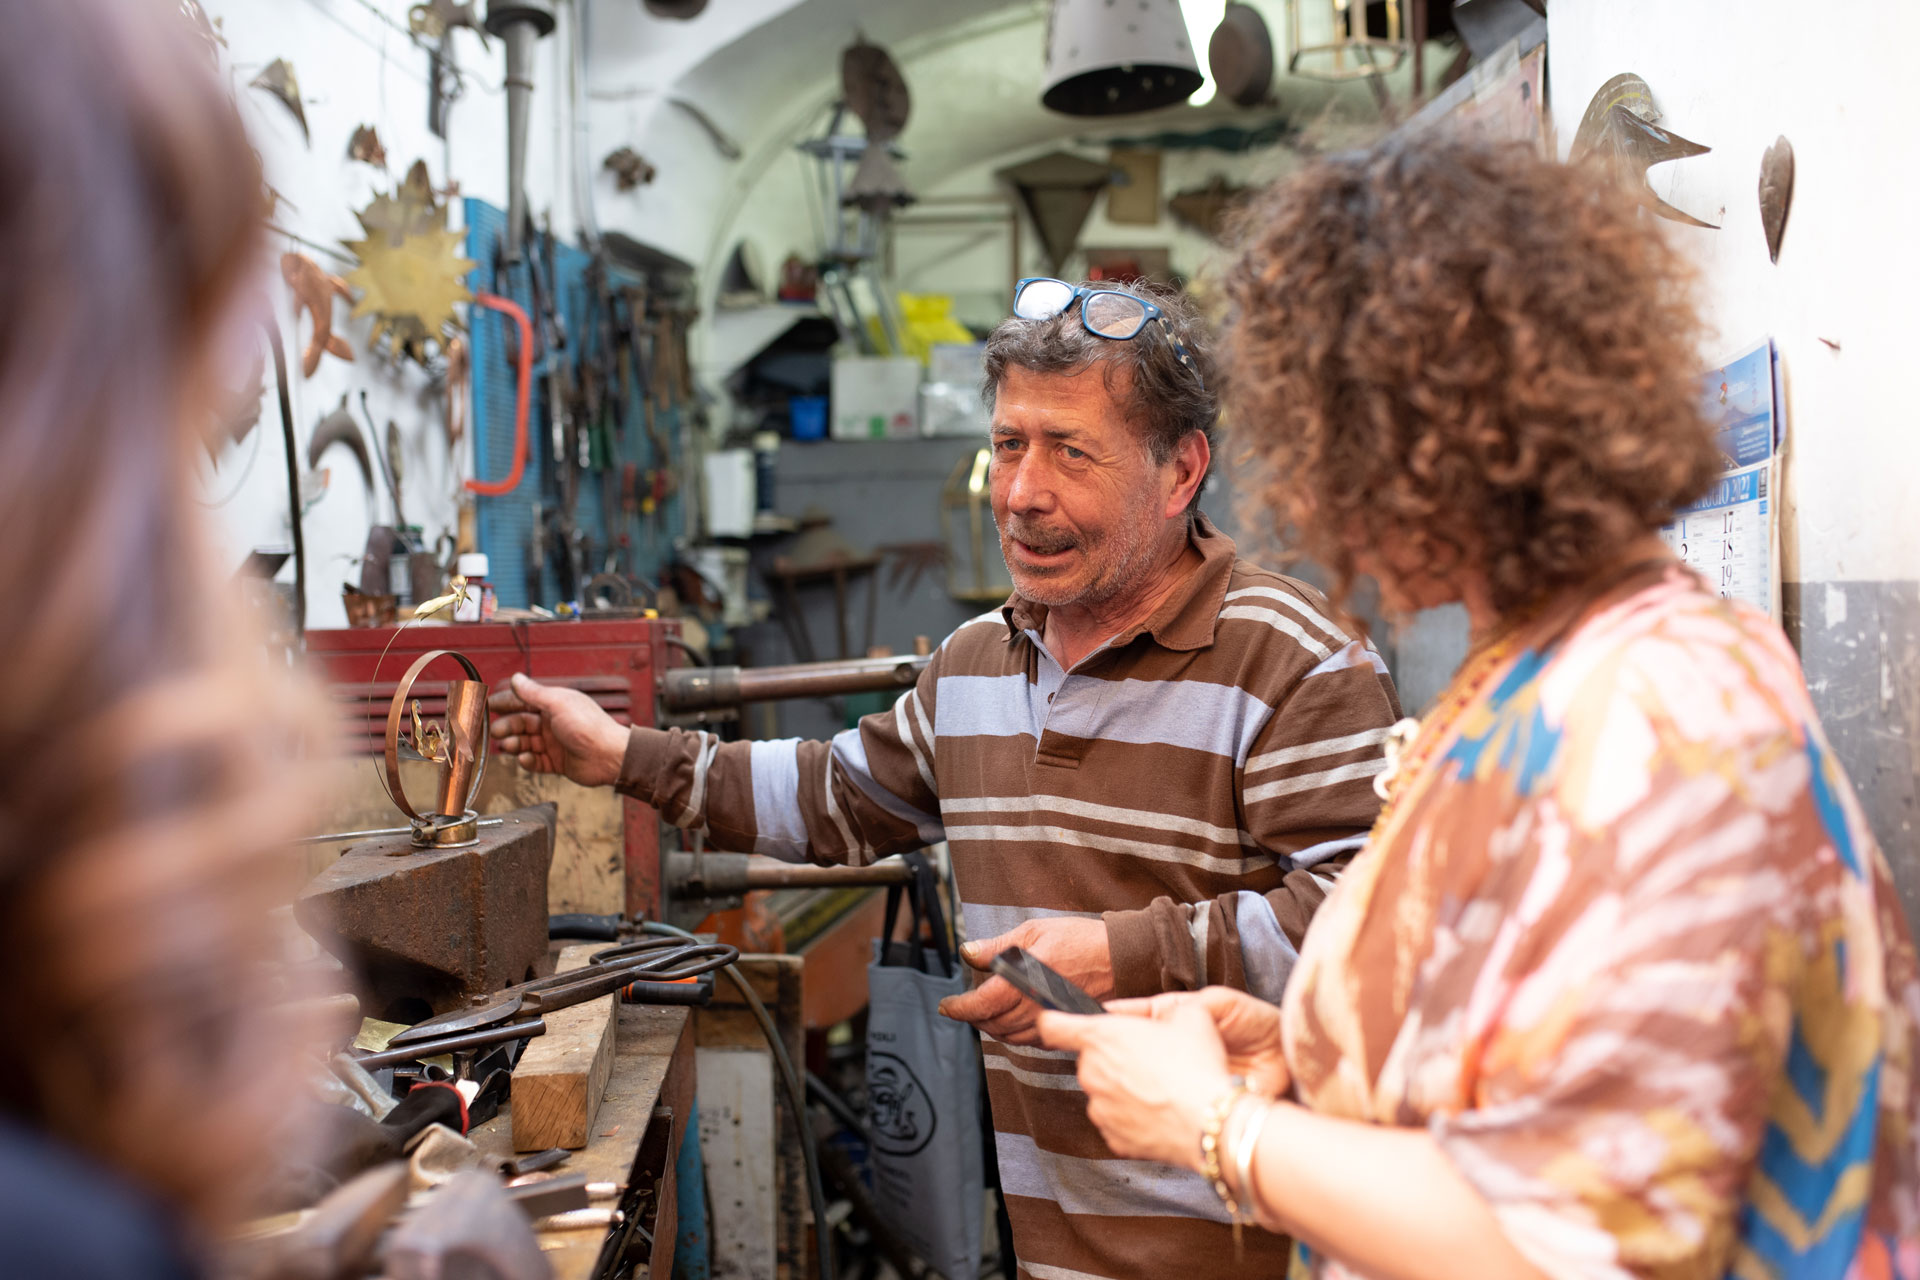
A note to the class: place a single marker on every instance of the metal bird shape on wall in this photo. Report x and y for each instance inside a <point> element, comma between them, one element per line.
<point>1776,193</point>
<point>314,291</point>
<point>278,79</point>
<point>875,91</point>
<point>1619,128</point>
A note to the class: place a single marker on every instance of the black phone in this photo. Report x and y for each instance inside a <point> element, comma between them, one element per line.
<point>1032,978</point>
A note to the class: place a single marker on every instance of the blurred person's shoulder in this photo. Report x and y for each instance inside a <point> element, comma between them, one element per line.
<point>63,1217</point>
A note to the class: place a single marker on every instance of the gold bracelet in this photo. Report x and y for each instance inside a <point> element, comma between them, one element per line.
<point>1217,1115</point>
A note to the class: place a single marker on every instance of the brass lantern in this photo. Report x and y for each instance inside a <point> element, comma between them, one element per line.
<point>1351,54</point>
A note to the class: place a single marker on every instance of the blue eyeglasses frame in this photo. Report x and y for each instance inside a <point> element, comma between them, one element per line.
<point>1080,294</point>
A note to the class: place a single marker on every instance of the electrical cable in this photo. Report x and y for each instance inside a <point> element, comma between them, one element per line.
<point>796,1095</point>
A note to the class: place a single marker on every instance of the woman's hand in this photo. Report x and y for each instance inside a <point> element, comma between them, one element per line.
<point>1249,1029</point>
<point>1150,1080</point>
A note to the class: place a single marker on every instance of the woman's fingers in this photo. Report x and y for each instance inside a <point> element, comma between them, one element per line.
<point>1071,1031</point>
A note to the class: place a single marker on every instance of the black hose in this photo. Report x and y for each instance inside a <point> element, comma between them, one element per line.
<point>796,1097</point>
<point>584,927</point>
<point>293,477</point>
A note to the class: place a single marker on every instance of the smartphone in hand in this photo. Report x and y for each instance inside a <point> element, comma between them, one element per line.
<point>1033,979</point>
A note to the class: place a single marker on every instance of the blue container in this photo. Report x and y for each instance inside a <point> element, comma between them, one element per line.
<point>809,417</point>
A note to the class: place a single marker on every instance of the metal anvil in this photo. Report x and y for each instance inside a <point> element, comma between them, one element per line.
<point>423,929</point>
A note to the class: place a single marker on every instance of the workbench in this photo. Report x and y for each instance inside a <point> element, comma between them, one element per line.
<point>635,1141</point>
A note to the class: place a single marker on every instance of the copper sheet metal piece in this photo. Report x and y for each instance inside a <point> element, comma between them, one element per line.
<point>466,745</point>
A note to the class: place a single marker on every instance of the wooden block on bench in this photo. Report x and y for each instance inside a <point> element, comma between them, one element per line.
<point>562,1076</point>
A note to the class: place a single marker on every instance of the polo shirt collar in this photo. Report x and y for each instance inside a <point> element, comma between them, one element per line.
<point>1185,620</point>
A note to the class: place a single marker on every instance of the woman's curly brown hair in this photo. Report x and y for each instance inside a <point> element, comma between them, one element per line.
<point>1464,351</point>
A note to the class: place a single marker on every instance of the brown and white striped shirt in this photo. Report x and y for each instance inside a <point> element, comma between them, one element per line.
<point>1193,781</point>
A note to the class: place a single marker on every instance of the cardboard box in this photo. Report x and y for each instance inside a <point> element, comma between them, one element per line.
<point>876,398</point>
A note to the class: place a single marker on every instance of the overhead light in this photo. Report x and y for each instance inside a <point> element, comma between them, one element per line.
<point>1104,60</point>
<point>1202,16</point>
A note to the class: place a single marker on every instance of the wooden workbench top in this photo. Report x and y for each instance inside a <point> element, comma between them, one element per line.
<point>652,1067</point>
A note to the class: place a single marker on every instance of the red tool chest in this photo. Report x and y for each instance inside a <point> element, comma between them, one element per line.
<point>617,663</point>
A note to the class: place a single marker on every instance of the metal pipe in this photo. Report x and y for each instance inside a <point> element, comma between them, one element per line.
<point>700,688</point>
<point>726,875</point>
<point>520,24</point>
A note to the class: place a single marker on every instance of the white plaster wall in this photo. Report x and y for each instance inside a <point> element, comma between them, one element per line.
<point>1827,76</point>
<point>357,65</point>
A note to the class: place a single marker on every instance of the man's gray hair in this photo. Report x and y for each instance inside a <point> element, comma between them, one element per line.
<point>1164,399</point>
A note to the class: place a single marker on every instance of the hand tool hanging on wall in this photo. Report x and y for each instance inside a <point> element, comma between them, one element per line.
<point>520,24</point>
<point>293,477</point>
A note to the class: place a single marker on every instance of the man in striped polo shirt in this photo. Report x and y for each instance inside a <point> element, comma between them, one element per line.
<point>1147,764</point>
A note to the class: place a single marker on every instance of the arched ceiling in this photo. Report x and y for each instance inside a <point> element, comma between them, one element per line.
<point>765,71</point>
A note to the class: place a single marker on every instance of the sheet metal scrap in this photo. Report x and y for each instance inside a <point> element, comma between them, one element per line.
<point>314,290</point>
<point>1776,193</point>
<point>365,147</point>
<point>437,17</point>
<point>411,273</point>
<point>1619,128</point>
<point>437,925</point>
<point>629,168</point>
<point>278,79</point>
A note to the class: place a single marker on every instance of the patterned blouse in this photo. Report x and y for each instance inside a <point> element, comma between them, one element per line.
<point>1627,949</point>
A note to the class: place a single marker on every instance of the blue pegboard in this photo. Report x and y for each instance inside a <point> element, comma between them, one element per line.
<point>506,523</point>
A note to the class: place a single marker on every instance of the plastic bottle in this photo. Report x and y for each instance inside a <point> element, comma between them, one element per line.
<point>478,602</point>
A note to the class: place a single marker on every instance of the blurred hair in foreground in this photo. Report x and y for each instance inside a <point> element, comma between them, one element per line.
<point>145,743</point>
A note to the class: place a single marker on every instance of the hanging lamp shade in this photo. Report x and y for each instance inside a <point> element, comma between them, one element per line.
<point>1112,57</point>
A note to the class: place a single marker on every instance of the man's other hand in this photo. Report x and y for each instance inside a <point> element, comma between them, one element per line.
<point>1076,949</point>
<point>554,730</point>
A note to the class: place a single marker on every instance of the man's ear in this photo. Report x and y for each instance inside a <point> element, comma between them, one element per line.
<point>1191,457</point>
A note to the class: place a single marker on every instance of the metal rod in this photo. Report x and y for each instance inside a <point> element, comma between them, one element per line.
<point>471,1040</point>
<point>699,688</point>
<point>771,873</point>
<point>335,837</point>
<point>725,875</point>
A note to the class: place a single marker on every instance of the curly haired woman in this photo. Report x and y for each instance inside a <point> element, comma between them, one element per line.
<point>1621,986</point>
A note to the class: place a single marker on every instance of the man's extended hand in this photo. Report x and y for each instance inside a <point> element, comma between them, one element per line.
<point>1076,949</point>
<point>553,730</point>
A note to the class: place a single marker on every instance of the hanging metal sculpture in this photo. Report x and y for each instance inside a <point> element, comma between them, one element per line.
<point>278,79</point>
<point>1776,193</point>
<point>314,290</point>
<point>411,273</point>
<point>876,92</point>
<point>1205,209</point>
<point>1619,129</point>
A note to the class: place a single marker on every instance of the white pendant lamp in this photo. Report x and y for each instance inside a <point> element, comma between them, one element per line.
<point>1113,57</point>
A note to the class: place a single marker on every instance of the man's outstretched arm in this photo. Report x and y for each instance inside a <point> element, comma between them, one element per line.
<point>866,793</point>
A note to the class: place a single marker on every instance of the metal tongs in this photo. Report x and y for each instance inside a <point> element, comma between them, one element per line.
<point>658,967</point>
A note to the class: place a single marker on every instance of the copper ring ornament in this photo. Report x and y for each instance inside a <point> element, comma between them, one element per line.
<point>458,823</point>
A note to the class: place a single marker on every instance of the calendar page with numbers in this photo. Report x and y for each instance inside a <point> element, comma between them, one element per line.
<point>1730,535</point>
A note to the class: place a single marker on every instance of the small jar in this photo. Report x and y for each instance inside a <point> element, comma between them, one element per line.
<point>478,602</point>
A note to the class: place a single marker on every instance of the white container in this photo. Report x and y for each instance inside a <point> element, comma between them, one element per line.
<point>875,398</point>
<point>730,493</point>
<point>477,602</point>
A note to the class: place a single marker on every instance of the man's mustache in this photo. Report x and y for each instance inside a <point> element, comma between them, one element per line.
<point>1045,541</point>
